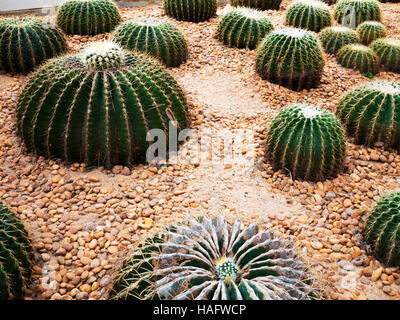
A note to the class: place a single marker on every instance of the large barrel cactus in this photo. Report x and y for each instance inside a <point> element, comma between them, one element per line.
<point>307,141</point>
<point>334,38</point>
<point>26,43</point>
<point>388,51</point>
<point>292,58</point>
<point>382,229</point>
<point>359,57</point>
<point>312,15</point>
<point>352,13</point>
<point>159,38</point>
<point>369,31</point>
<point>243,28</point>
<point>257,4</point>
<point>210,260</point>
<point>371,113</point>
<point>191,10</point>
<point>88,17</point>
<point>97,107</point>
<point>15,255</point>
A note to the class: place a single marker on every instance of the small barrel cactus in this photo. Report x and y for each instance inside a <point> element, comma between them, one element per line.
<point>307,141</point>
<point>98,106</point>
<point>382,229</point>
<point>334,38</point>
<point>204,259</point>
<point>388,51</point>
<point>159,38</point>
<point>26,43</point>
<point>292,58</point>
<point>352,13</point>
<point>311,15</point>
<point>191,10</point>
<point>371,113</point>
<point>369,31</point>
<point>359,57</point>
<point>257,4</point>
<point>243,28</point>
<point>15,255</point>
<point>88,17</point>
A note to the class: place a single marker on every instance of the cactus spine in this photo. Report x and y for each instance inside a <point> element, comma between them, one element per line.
<point>161,39</point>
<point>388,51</point>
<point>257,4</point>
<point>191,10</point>
<point>210,260</point>
<point>243,28</point>
<point>357,11</point>
<point>27,42</point>
<point>359,57</point>
<point>334,38</point>
<point>370,31</point>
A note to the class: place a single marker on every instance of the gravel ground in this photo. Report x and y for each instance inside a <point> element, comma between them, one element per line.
<point>82,221</point>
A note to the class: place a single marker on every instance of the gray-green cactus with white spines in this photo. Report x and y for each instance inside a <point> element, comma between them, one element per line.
<point>311,15</point>
<point>291,57</point>
<point>97,107</point>
<point>382,229</point>
<point>307,141</point>
<point>371,113</point>
<point>243,28</point>
<point>204,259</point>
<point>388,51</point>
<point>26,43</point>
<point>15,255</point>
<point>335,38</point>
<point>352,13</point>
<point>257,4</point>
<point>359,57</point>
<point>191,10</point>
<point>88,17</point>
<point>159,38</point>
<point>369,31</point>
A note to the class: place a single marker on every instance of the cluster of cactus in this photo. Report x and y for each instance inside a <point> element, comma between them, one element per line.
<point>369,31</point>
<point>159,38</point>
<point>359,57</point>
<point>291,57</point>
<point>352,13</point>
<point>26,43</point>
<point>204,259</point>
<point>243,28</point>
<point>88,17</point>
<point>335,38</point>
<point>191,10</point>
<point>371,113</point>
<point>308,142</point>
<point>311,15</point>
<point>382,229</point>
<point>388,51</point>
<point>15,255</point>
<point>98,106</point>
<point>257,4</point>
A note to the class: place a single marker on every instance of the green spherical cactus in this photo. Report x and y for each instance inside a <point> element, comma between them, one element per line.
<point>211,260</point>
<point>308,142</point>
<point>88,17</point>
<point>359,57</point>
<point>334,38</point>
<point>352,13</point>
<point>371,113</point>
<point>309,14</point>
<point>388,51</point>
<point>98,107</point>
<point>159,38</point>
<point>26,43</point>
<point>257,4</point>
<point>243,28</point>
<point>382,229</point>
<point>292,58</point>
<point>369,31</point>
<point>191,10</point>
<point>15,255</point>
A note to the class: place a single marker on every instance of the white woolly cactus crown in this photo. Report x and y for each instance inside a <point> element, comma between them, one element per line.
<point>103,55</point>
